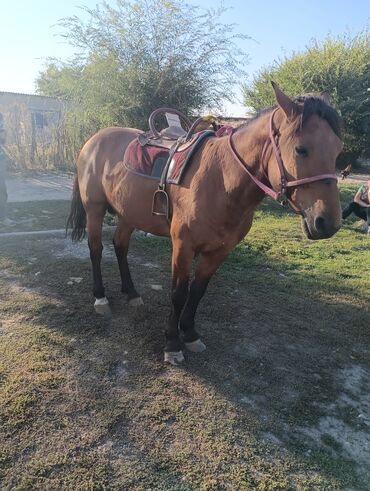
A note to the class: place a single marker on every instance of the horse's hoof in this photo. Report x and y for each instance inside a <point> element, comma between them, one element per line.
<point>173,357</point>
<point>136,302</point>
<point>101,306</point>
<point>196,346</point>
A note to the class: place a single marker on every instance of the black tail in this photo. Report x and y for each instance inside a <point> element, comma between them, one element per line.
<point>77,215</point>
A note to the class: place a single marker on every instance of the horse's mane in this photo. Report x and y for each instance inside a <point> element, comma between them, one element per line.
<point>310,105</point>
<point>315,105</point>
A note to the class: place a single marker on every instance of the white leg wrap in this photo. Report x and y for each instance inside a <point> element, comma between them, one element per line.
<point>101,306</point>
<point>173,357</point>
<point>196,346</point>
<point>136,302</point>
<point>101,301</point>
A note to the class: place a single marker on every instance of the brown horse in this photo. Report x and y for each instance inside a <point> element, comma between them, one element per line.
<point>289,150</point>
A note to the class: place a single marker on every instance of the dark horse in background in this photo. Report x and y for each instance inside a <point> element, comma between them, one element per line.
<point>287,152</point>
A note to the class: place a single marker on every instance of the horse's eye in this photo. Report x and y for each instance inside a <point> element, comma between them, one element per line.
<point>301,151</point>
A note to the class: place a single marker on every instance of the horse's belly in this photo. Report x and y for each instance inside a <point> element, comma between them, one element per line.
<point>131,196</point>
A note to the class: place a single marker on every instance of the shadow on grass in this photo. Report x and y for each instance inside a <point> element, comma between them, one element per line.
<point>268,404</point>
<point>35,215</point>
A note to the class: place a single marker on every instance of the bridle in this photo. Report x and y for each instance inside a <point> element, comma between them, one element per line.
<point>280,195</point>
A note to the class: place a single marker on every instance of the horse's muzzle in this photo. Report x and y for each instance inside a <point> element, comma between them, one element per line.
<point>318,227</point>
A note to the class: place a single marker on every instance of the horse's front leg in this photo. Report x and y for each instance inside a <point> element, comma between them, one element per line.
<point>207,266</point>
<point>182,257</point>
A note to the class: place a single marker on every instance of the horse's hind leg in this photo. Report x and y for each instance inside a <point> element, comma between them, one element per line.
<point>121,243</point>
<point>95,215</point>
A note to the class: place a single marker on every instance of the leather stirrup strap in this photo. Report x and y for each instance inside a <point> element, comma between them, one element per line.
<point>162,181</point>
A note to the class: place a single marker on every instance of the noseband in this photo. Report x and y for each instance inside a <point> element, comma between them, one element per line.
<point>281,195</point>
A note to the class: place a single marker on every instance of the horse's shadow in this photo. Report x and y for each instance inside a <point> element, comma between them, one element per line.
<point>292,352</point>
<point>283,356</point>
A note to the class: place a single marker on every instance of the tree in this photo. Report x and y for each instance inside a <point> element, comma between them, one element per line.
<point>341,66</point>
<point>142,54</point>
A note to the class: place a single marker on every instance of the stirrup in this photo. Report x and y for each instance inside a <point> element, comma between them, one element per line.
<point>161,203</point>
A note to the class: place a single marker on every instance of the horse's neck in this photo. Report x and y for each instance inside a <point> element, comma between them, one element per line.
<point>248,142</point>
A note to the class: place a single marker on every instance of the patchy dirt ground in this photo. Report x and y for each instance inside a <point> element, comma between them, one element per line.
<point>39,187</point>
<point>279,401</point>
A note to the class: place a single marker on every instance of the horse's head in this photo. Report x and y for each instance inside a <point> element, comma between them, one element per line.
<point>308,133</point>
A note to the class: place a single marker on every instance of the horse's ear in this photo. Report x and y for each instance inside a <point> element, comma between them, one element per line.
<point>289,107</point>
<point>325,96</point>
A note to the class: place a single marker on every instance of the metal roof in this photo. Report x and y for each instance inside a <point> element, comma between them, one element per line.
<point>30,95</point>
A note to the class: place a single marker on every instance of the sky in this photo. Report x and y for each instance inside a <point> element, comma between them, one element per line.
<point>29,35</point>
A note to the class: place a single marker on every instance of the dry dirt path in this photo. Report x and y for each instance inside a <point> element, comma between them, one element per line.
<point>39,188</point>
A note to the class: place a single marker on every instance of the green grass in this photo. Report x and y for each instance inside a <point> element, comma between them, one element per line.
<point>87,404</point>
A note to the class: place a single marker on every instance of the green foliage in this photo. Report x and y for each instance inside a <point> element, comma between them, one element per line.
<point>143,54</point>
<point>341,66</point>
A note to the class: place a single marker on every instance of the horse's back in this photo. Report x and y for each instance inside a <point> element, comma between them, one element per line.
<point>98,157</point>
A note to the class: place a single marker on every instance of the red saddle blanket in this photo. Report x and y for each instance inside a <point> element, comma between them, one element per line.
<point>149,160</point>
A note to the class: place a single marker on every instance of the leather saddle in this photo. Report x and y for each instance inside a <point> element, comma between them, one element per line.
<point>178,136</point>
<point>179,128</point>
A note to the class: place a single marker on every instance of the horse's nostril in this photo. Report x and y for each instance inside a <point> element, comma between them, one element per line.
<point>320,224</point>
